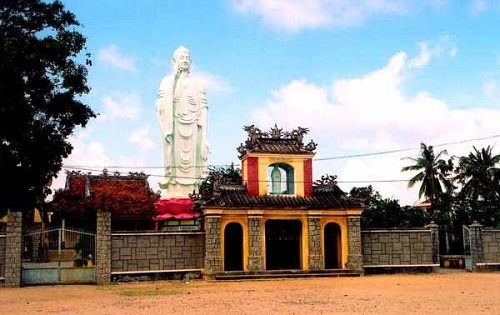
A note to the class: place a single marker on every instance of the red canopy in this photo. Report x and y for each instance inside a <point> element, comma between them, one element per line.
<point>175,208</point>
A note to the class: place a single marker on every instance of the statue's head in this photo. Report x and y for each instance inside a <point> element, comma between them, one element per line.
<point>181,59</point>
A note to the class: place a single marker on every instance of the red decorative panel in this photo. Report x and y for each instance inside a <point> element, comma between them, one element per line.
<point>177,208</point>
<point>308,188</point>
<point>253,176</point>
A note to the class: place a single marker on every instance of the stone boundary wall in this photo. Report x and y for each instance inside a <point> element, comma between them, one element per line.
<point>157,252</point>
<point>491,246</point>
<point>403,248</point>
<point>3,239</point>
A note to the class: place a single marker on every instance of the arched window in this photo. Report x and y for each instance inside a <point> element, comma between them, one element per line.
<point>281,179</point>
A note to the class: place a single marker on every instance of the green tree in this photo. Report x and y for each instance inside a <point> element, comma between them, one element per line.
<point>41,82</point>
<point>219,176</point>
<point>433,174</point>
<point>386,212</point>
<point>479,177</point>
<point>365,194</point>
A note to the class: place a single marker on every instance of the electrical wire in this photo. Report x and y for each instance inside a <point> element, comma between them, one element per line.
<point>95,168</point>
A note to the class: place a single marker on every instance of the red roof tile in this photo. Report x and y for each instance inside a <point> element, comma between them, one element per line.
<point>120,194</point>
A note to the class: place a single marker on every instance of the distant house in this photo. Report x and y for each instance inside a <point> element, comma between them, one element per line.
<point>424,205</point>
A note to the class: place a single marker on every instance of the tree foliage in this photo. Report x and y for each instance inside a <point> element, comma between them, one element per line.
<point>219,176</point>
<point>479,178</point>
<point>478,174</point>
<point>432,173</point>
<point>367,194</point>
<point>41,81</point>
<point>386,212</point>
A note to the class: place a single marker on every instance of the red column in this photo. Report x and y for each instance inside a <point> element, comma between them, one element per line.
<point>253,176</point>
<point>308,188</point>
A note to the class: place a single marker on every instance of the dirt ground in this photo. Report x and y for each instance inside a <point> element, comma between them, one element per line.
<point>440,293</point>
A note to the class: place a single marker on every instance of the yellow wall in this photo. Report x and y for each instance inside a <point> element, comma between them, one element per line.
<point>240,216</point>
<point>243,221</point>
<point>36,217</point>
<point>244,174</point>
<point>342,223</point>
<point>295,161</point>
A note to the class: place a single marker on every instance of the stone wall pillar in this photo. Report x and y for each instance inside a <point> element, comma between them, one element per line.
<point>434,228</point>
<point>255,261</point>
<point>13,249</point>
<point>315,255</point>
<point>212,245</point>
<point>354,257</point>
<point>103,247</point>
<point>476,244</point>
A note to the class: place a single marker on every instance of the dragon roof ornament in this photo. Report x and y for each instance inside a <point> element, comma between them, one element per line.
<point>276,141</point>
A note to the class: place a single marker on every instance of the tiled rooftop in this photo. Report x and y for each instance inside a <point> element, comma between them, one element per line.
<point>121,194</point>
<point>238,197</point>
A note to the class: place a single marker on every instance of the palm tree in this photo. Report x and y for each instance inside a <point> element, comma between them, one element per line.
<point>433,174</point>
<point>478,175</point>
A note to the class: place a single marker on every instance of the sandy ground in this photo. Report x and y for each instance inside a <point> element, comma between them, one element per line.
<point>448,293</point>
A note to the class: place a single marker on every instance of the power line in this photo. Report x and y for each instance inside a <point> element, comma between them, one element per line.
<point>340,157</point>
<point>402,150</point>
<point>264,181</point>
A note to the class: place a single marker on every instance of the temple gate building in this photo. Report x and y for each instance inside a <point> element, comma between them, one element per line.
<point>278,219</point>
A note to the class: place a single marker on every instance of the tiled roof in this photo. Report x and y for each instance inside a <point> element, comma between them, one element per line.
<point>238,197</point>
<point>120,194</point>
<point>276,141</point>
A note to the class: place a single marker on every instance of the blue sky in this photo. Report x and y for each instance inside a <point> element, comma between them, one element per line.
<point>364,76</point>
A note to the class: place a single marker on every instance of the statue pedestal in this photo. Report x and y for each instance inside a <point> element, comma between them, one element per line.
<point>175,208</point>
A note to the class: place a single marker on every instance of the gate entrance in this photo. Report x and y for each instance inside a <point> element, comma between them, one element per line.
<point>58,255</point>
<point>333,249</point>
<point>283,244</point>
<point>233,247</point>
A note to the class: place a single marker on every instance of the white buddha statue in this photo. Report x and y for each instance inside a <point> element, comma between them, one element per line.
<point>182,110</point>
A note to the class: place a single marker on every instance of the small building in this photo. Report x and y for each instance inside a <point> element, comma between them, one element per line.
<point>278,219</point>
<point>128,197</point>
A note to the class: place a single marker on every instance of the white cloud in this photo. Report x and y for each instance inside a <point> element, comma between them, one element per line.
<point>423,59</point>
<point>479,6</point>
<point>433,49</point>
<point>142,138</point>
<point>211,82</point>
<point>112,56</point>
<point>121,106</point>
<point>370,114</point>
<point>294,15</point>
<point>490,89</point>
<point>85,151</point>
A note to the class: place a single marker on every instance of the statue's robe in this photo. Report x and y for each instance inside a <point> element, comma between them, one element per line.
<point>182,112</point>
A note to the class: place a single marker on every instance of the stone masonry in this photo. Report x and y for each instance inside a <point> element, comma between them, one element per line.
<point>13,249</point>
<point>212,245</point>
<point>255,261</point>
<point>2,255</point>
<point>397,247</point>
<point>103,250</point>
<point>434,228</point>
<point>315,256</point>
<point>157,251</point>
<point>476,244</point>
<point>491,245</point>
<point>354,257</point>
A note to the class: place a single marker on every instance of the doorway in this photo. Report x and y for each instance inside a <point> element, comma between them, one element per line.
<point>283,239</point>
<point>333,246</point>
<point>233,247</point>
